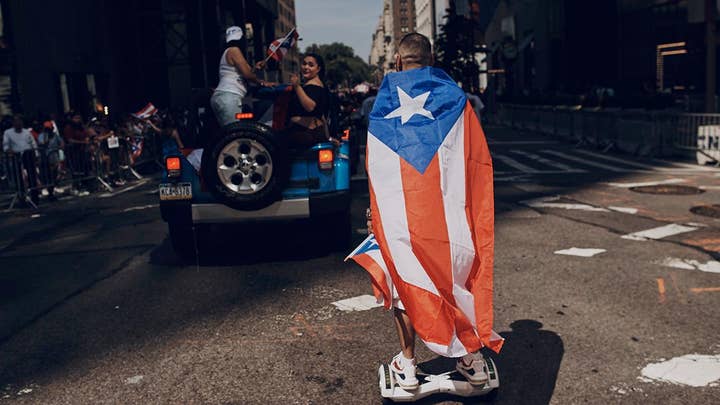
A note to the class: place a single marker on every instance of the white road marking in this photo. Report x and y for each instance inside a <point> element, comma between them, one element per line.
<point>546,202</point>
<point>659,232</point>
<point>521,178</point>
<point>648,183</point>
<point>711,266</point>
<point>522,143</point>
<point>35,216</point>
<point>515,164</point>
<point>585,161</point>
<point>590,252</point>
<point>361,303</point>
<point>710,187</point>
<point>134,380</point>
<point>698,224</point>
<point>141,207</point>
<point>548,162</point>
<point>695,370</point>
<point>25,391</point>
<point>125,190</point>
<point>626,210</point>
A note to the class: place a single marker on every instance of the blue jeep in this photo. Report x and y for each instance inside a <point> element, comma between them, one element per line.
<point>248,173</point>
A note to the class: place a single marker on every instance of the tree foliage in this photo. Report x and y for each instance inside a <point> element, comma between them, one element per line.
<point>344,68</point>
<point>455,50</point>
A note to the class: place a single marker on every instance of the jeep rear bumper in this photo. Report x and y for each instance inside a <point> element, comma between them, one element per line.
<point>212,213</point>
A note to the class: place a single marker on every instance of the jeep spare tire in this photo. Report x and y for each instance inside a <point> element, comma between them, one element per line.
<point>245,167</point>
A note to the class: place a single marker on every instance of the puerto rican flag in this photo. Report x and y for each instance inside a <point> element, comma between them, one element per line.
<point>431,195</point>
<point>146,112</point>
<point>279,47</point>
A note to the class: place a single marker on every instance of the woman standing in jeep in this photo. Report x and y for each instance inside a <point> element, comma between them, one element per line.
<point>235,71</point>
<point>310,104</point>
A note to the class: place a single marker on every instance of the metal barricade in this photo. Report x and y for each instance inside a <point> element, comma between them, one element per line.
<point>632,131</point>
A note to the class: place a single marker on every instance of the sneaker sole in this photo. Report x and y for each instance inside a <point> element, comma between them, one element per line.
<point>469,379</point>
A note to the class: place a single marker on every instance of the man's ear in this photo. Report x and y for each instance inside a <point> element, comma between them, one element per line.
<point>398,62</point>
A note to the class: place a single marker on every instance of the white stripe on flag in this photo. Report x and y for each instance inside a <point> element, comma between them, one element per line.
<point>384,164</point>
<point>452,184</point>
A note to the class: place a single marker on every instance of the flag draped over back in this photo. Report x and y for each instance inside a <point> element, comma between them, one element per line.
<point>431,194</point>
<point>279,47</point>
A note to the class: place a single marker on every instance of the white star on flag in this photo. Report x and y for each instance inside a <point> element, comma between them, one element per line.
<point>410,106</point>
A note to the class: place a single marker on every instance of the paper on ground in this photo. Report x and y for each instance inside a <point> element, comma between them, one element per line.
<point>695,370</point>
<point>689,264</point>
<point>659,232</point>
<point>361,303</point>
<point>580,252</point>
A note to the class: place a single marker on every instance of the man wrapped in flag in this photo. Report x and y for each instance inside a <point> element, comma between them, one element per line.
<point>431,198</point>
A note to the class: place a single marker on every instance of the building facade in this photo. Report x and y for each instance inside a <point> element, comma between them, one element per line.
<point>425,18</point>
<point>382,51</point>
<point>284,24</point>
<point>120,55</point>
<point>644,53</point>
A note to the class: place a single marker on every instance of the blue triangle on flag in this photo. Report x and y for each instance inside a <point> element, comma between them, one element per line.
<point>418,140</point>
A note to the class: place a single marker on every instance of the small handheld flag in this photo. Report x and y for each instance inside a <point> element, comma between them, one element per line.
<point>279,47</point>
<point>146,112</point>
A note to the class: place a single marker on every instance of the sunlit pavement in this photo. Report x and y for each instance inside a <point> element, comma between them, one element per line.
<point>96,308</point>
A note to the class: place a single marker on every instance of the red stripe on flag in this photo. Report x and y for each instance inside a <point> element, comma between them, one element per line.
<point>480,213</point>
<point>377,277</point>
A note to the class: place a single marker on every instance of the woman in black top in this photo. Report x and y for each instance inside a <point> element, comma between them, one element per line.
<point>309,106</point>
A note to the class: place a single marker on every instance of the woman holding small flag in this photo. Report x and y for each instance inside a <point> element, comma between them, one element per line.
<point>310,104</point>
<point>235,72</point>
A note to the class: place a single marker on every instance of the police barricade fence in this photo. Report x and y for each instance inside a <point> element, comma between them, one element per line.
<point>82,167</point>
<point>646,133</point>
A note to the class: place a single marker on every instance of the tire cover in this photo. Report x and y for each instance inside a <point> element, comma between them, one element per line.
<point>255,133</point>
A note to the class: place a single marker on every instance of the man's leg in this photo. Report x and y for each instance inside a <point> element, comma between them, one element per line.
<point>406,333</point>
<point>403,364</point>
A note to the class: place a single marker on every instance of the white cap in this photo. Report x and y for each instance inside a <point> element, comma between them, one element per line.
<point>233,33</point>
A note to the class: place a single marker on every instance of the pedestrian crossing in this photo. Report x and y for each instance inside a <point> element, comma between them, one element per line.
<point>563,161</point>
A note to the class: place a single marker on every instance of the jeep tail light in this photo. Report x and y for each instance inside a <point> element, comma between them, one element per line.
<point>244,116</point>
<point>325,159</point>
<point>172,164</point>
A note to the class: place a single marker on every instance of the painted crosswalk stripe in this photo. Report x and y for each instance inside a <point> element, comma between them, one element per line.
<point>665,166</point>
<point>659,232</point>
<point>515,164</point>
<point>584,161</point>
<point>647,183</point>
<point>548,202</point>
<point>548,162</point>
<point>491,142</point>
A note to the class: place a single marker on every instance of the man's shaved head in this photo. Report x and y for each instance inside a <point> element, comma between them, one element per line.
<point>415,49</point>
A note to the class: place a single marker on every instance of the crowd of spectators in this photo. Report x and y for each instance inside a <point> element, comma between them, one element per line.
<point>82,155</point>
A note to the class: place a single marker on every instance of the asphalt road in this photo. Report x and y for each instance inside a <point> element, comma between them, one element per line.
<point>95,307</point>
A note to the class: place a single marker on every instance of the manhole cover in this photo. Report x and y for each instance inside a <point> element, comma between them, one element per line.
<point>712,211</point>
<point>669,189</point>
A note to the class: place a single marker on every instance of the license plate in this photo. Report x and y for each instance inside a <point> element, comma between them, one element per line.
<point>180,191</point>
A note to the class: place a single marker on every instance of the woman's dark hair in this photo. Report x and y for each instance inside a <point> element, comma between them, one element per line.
<point>237,43</point>
<point>320,63</point>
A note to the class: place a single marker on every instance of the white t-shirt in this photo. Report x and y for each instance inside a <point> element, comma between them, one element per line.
<point>230,79</point>
<point>18,142</point>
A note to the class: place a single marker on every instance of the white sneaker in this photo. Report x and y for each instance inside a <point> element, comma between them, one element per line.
<point>404,370</point>
<point>474,368</point>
